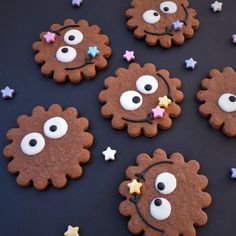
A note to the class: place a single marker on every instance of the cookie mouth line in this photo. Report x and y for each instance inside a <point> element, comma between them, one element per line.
<point>86,62</point>
<point>169,30</point>
<point>136,199</point>
<point>149,118</point>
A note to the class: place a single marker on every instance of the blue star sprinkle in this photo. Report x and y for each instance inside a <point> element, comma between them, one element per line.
<point>93,51</point>
<point>233,173</point>
<point>190,63</point>
<point>7,92</point>
<point>177,25</point>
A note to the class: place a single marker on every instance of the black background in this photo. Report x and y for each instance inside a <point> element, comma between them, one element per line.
<point>92,201</point>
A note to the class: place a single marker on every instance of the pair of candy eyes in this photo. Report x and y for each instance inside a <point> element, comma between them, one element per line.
<point>160,208</point>
<point>131,100</point>
<point>227,102</point>
<point>67,54</point>
<point>152,16</point>
<point>34,143</point>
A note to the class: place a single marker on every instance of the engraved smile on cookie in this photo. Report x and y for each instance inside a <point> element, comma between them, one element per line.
<point>136,198</point>
<point>149,118</point>
<point>87,61</point>
<point>169,30</point>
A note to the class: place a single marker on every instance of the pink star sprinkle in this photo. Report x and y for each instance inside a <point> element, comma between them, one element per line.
<point>234,38</point>
<point>129,56</point>
<point>50,37</point>
<point>158,112</point>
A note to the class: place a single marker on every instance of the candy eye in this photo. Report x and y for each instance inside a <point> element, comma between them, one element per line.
<point>151,16</point>
<point>147,84</point>
<point>168,7</point>
<point>73,37</point>
<point>227,102</point>
<point>165,183</point>
<point>55,128</point>
<point>160,209</point>
<point>131,100</point>
<point>32,144</point>
<point>66,54</point>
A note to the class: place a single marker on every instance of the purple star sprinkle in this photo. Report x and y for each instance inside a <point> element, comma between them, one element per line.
<point>177,25</point>
<point>190,63</point>
<point>233,173</point>
<point>77,3</point>
<point>234,38</point>
<point>7,92</point>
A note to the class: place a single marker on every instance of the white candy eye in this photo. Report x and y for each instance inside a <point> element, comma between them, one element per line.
<point>227,102</point>
<point>131,100</point>
<point>55,128</point>
<point>32,144</point>
<point>66,54</point>
<point>160,209</point>
<point>147,84</point>
<point>165,183</point>
<point>168,7</point>
<point>73,37</point>
<point>151,16</point>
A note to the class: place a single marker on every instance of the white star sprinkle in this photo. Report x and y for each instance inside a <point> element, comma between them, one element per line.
<point>109,154</point>
<point>217,6</point>
<point>7,92</point>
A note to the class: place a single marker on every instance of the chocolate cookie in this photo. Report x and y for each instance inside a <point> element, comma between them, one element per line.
<point>72,51</point>
<point>48,146</point>
<point>218,99</point>
<point>141,99</point>
<point>164,196</point>
<point>163,22</point>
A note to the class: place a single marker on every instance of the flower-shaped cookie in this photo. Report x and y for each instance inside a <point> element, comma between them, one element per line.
<point>218,99</point>
<point>48,146</point>
<point>163,22</point>
<point>72,51</point>
<point>141,99</point>
<point>164,196</point>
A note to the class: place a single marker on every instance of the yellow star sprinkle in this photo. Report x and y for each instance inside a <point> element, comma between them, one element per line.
<point>134,187</point>
<point>164,101</point>
<point>72,231</point>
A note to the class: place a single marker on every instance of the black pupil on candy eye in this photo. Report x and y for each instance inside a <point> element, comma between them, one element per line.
<point>161,186</point>
<point>33,142</point>
<point>148,87</point>
<point>53,128</point>
<point>136,99</point>
<point>232,98</point>
<point>155,14</point>
<point>158,202</point>
<point>71,37</point>
<point>166,9</point>
<point>64,50</point>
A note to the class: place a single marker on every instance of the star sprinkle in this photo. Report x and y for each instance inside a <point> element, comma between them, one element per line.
<point>164,101</point>
<point>234,38</point>
<point>158,112</point>
<point>129,56</point>
<point>7,92</point>
<point>50,37</point>
<point>177,25</point>
<point>93,51</point>
<point>77,3</point>
<point>233,173</point>
<point>190,63</point>
<point>72,231</point>
<point>109,154</point>
<point>217,6</point>
<point>134,187</point>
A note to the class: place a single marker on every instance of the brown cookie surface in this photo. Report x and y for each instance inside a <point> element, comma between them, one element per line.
<point>48,146</point>
<point>171,198</point>
<point>64,51</point>
<point>153,20</point>
<point>141,99</point>
<point>218,99</point>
